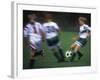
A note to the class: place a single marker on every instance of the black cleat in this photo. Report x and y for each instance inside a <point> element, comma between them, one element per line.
<point>73,57</point>
<point>80,56</point>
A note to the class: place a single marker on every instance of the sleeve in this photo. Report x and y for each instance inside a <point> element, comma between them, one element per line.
<point>26,30</point>
<point>56,26</point>
<point>41,27</point>
<point>89,28</point>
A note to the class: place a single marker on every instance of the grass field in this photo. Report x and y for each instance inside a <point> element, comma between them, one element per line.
<point>49,61</point>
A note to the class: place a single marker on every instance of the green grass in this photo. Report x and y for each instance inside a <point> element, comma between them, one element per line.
<point>49,61</point>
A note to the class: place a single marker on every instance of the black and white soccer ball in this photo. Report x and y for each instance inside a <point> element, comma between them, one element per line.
<point>68,53</point>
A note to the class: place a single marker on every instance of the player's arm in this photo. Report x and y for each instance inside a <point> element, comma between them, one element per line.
<point>25,32</point>
<point>25,35</point>
<point>43,35</point>
<point>42,32</point>
<point>89,31</point>
<point>57,28</point>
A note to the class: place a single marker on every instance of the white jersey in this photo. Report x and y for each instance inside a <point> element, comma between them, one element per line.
<point>33,31</point>
<point>84,31</point>
<point>50,29</point>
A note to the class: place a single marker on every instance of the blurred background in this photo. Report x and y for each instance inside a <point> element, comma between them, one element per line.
<point>65,20</point>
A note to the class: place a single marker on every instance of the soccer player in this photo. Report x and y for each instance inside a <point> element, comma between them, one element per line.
<point>51,30</point>
<point>81,39</point>
<point>34,32</point>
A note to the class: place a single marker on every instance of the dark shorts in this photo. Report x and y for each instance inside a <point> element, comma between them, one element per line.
<point>81,42</point>
<point>53,41</point>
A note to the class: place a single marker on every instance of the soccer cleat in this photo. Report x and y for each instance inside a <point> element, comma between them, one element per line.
<point>73,57</point>
<point>31,63</point>
<point>80,56</point>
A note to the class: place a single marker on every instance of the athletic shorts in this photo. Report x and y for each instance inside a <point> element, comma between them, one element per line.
<point>53,42</point>
<point>81,42</point>
<point>36,45</point>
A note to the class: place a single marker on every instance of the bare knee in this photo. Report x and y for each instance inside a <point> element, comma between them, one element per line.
<point>73,46</point>
<point>76,48</point>
<point>32,54</point>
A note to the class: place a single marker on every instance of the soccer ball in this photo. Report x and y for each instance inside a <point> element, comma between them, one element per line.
<point>68,54</point>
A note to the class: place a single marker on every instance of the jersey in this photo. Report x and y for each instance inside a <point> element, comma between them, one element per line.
<point>50,29</point>
<point>33,31</point>
<point>84,31</point>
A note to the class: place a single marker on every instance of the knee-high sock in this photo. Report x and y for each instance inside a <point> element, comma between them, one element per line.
<point>31,63</point>
<point>61,53</point>
<point>73,56</point>
<point>79,53</point>
<point>57,56</point>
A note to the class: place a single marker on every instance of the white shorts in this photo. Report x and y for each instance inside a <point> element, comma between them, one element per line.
<point>37,45</point>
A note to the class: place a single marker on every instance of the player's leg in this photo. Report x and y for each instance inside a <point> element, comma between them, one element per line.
<point>82,44</point>
<point>32,58</point>
<point>75,51</point>
<point>32,52</point>
<point>58,46</point>
<point>52,44</point>
<point>76,47</point>
<point>61,53</point>
<point>39,50</point>
<point>73,46</point>
<point>56,54</point>
<point>79,55</point>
